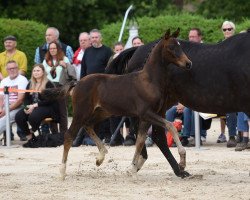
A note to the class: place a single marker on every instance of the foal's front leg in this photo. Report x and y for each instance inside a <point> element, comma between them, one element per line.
<point>99,144</point>
<point>138,160</point>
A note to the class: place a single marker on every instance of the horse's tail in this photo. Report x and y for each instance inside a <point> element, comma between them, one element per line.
<point>58,92</point>
<point>119,64</point>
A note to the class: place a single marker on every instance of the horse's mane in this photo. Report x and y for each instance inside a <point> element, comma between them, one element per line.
<point>147,57</point>
<point>118,65</point>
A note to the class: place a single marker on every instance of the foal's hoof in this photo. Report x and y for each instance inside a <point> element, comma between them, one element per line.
<point>99,161</point>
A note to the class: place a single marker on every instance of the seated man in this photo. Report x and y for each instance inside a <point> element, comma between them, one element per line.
<point>188,121</point>
<point>13,80</point>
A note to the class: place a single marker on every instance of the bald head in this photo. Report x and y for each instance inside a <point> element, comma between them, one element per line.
<point>84,40</point>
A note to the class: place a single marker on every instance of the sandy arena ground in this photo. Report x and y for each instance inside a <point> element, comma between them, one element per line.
<point>219,173</point>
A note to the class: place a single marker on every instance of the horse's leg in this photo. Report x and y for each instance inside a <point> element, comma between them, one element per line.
<point>159,137</point>
<point>144,155</point>
<point>100,146</point>
<point>140,142</point>
<point>157,120</point>
<point>69,136</point>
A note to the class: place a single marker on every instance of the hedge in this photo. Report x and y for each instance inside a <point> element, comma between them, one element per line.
<point>153,28</point>
<point>29,35</point>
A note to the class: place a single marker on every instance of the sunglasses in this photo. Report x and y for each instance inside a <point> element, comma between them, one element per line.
<point>227,29</point>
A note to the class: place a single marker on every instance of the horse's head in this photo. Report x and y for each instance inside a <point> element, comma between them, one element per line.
<point>173,52</point>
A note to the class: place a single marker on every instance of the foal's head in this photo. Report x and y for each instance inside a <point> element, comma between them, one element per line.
<point>172,51</point>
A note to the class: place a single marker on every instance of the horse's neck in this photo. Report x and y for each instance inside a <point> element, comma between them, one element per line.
<point>155,69</point>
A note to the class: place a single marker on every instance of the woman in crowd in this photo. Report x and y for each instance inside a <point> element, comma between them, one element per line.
<point>57,65</point>
<point>228,29</point>
<point>36,108</point>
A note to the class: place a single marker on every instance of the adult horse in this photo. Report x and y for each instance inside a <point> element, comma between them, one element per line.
<point>219,81</point>
<point>146,89</point>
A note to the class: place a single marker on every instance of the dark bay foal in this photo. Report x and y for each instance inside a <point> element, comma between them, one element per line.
<point>140,94</point>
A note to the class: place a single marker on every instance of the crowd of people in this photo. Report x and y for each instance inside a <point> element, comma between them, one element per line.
<point>54,60</point>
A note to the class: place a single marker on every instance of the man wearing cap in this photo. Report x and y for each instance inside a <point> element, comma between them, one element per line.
<point>11,53</point>
<point>52,35</point>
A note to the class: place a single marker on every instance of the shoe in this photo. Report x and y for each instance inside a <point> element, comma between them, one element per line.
<point>129,140</point>
<point>203,139</point>
<point>184,141</point>
<point>32,143</point>
<point>88,141</point>
<point>23,138</point>
<point>191,141</point>
<point>117,141</point>
<point>231,143</point>
<point>222,138</point>
<point>241,146</point>
<point>149,142</point>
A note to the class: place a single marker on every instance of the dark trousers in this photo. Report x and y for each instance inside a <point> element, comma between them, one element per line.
<point>34,119</point>
<point>63,110</point>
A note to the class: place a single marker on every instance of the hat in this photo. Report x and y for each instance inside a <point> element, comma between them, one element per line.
<point>9,37</point>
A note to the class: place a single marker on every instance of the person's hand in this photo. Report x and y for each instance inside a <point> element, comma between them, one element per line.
<point>180,108</point>
<point>30,109</point>
<point>62,63</point>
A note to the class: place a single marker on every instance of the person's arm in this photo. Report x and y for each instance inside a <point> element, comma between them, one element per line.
<point>83,67</point>
<point>69,53</point>
<point>23,64</point>
<point>2,112</point>
<point>19,101</point>
<point>37,56</point>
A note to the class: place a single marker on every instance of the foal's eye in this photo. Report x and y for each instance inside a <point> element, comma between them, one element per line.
<point>171,47</point>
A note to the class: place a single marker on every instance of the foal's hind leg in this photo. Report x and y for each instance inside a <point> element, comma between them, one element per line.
<point>138,161</point>
<point>69,136</point>
<point>100,146</point>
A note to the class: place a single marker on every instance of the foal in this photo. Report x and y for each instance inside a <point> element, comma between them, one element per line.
<point>140,94</point>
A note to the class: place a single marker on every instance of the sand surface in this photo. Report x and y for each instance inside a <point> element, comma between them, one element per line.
<point>218,173</point>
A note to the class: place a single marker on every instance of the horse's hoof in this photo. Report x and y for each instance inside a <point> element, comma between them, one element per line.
<point>98,162</point>
<point>184,174</point>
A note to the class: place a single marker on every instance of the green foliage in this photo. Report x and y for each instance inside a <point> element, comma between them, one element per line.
<point>29,35</point>
<point>74,16</point>
<point>153,28</point>
<point>233,10</point>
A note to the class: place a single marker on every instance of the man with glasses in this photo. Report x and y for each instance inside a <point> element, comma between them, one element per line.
<point>11,53</point>
<point>13,80</point>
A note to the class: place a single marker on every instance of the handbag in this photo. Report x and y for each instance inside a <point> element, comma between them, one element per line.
<point>68,74</point>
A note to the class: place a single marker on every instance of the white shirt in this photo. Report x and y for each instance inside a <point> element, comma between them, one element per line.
<point>20,82</point>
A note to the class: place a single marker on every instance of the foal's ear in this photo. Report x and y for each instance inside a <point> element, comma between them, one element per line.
<point>167,34</point>
<point>176,33</point>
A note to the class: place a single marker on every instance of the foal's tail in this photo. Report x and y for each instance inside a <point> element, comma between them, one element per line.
<point>58,92</point>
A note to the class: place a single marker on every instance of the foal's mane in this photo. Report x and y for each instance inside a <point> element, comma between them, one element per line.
<point>149,53</point>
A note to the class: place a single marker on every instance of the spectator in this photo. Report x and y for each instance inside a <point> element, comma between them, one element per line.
<point>36,108</point>
<point>95,60</point>
<point>137,41</point>
<point>84,42</point>
<point>55,63</point>
<point>228,29</point>
<point>115,120</point>
<point>51,35</point>
<point>13,80</point>
<point>11,53</point>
